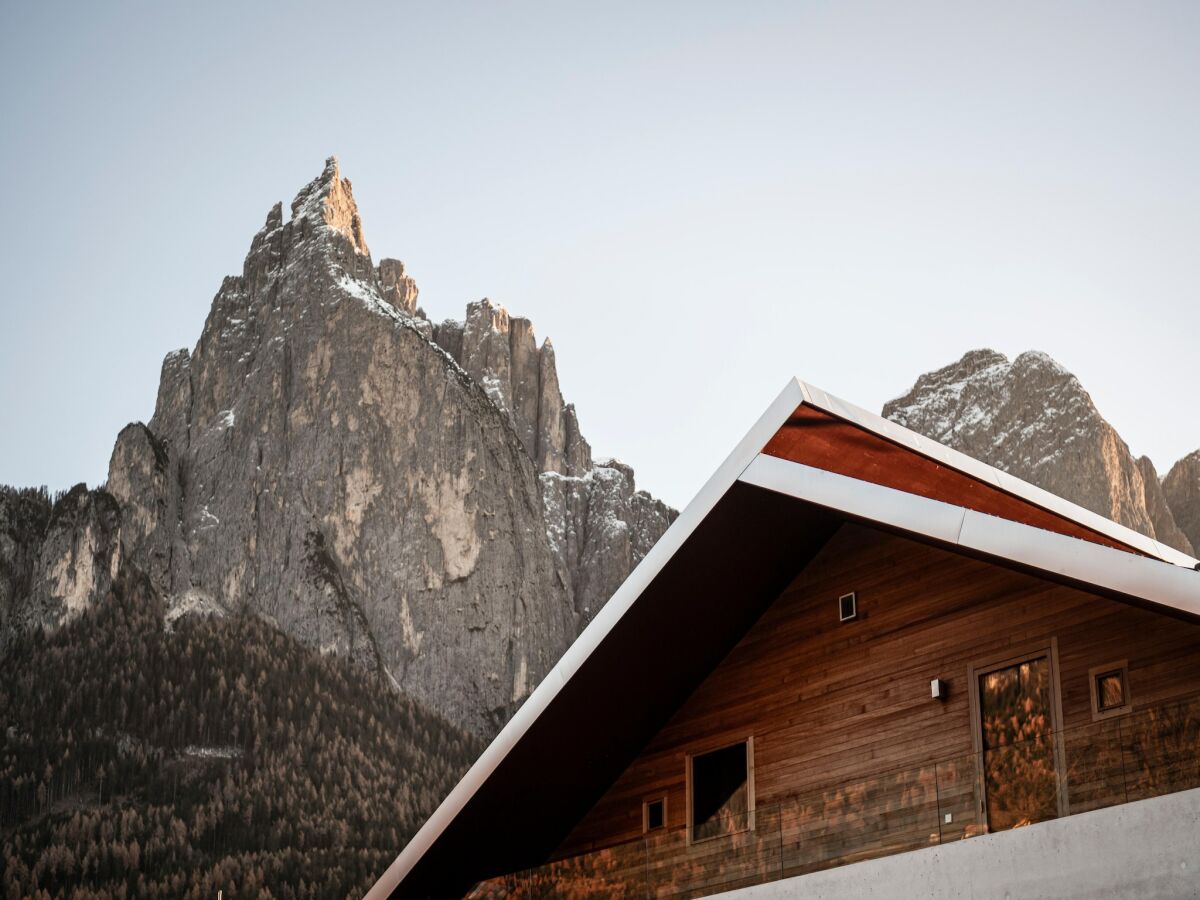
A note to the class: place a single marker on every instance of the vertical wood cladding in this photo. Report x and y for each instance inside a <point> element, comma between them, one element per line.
<point>829,702</point>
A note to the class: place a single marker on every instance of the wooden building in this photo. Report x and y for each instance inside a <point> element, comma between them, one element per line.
<point>853,643</point>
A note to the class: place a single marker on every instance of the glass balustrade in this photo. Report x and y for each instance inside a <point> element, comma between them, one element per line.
<point>1011,784</point>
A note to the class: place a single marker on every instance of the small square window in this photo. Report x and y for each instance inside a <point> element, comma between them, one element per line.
<point>654,814</point>
<point>848,607</point>
<point>1110,690</point>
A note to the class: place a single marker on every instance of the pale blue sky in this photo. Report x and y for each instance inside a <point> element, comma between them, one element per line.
<point>693,200</point>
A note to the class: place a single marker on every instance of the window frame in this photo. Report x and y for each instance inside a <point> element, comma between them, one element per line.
<point>689,785</point>
<point>646,801</point>
<point>1095,673</point>
<point>1027,652</point>
<point>853,597</point>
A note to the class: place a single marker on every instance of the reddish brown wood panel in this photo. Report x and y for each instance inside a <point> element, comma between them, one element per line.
<point>829,703</point>
<point>816,438</point>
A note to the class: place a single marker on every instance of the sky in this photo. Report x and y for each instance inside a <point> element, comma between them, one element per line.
<point>695,201</point>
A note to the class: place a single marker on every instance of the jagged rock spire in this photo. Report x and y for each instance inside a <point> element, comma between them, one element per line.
<point>328,201</point>
<point>501,353</point>
<point>397,287</point>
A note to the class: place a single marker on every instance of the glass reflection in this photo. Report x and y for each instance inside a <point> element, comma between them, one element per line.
<point>1018,745</point>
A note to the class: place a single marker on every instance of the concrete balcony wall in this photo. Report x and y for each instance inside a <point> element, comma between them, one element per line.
<point>1146,849</point>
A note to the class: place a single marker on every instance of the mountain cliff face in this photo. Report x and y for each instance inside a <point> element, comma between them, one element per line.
<point>1181,488</point>
<point>418,499</point>
<point>1032,418</point>
<point>599,526</point>
<point>55,558</point>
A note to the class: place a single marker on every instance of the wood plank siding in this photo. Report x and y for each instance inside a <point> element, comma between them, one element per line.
<point>829,703</point>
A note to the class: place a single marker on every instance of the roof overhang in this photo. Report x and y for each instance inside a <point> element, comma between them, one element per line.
<point>1080,563</point>
<point>751,528</point>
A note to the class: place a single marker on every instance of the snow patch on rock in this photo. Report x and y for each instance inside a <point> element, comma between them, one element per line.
<point>190,603</point>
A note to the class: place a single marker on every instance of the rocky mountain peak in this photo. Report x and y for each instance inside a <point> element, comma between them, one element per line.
<point>973,401</point>
<point>328,201</point>
<point>972,363</point>
<point>1033,418</point>
<point>376,487</point>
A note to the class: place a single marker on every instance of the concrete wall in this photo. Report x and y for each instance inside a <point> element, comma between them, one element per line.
<point>1146,849</point>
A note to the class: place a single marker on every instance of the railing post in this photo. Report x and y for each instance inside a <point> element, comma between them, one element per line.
<point>645,866</point>
<point>779,825</point>
<point>937,797</point>
<point>1121,750</point>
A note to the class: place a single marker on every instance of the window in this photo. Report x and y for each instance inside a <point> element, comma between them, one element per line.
<point>654,814</point>
<point>848,607</point>
<point>1016,710</point>
<point>721,791</point>
<point>1110,690</point>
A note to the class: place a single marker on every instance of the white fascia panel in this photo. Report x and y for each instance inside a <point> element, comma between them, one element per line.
<point>1085,562</point>
<point>1135,576</point>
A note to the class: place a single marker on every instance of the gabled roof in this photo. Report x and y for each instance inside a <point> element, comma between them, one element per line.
<point>810,463</point>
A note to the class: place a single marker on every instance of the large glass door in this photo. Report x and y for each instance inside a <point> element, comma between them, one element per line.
<point>1016,721</point>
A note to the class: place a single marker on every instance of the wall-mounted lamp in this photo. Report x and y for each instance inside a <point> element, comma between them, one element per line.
<point>939,689</point>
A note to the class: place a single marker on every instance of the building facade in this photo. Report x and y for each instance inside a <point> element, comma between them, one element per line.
<point>854,644</point>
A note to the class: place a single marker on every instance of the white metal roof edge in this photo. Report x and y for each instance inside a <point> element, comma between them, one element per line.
<point>968,465</point>
<point>1085,562</point>
<point>612,611</point>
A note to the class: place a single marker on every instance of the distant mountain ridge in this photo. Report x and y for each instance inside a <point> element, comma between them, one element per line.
<point>1032,418</point>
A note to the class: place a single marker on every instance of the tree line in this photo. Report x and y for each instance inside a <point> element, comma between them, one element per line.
<point>138,760</point>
